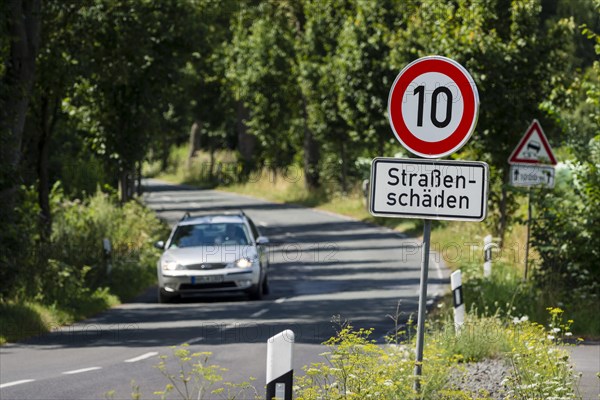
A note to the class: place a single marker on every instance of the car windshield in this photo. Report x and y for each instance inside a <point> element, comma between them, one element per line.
<point>210,235</point>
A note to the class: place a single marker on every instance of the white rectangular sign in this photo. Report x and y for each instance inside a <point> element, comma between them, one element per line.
<point>429,189</point>
<point>532,175</point>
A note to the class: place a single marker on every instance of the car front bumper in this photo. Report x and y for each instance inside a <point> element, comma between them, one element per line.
<point>187,282</point>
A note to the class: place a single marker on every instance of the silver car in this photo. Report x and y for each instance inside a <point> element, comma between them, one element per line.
<point>215,253</point>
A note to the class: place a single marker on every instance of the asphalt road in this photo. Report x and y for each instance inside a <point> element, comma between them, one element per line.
<point>322,265</point>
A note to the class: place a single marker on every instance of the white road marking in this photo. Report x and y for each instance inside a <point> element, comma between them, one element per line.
<point>142,357</point>
<point>281,300</point>
<point>259,313</point>
<point>78,371</point>
<point>195,340</point>
<point>4,385</point>
<point>438,269</point>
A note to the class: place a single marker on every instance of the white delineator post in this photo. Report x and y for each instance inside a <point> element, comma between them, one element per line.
<point>280,375</point>
<point>107,255</point>
<point>457,296</point>
<point>487,256</point>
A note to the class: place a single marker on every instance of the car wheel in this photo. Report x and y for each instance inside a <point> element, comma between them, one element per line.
<point>256,293</point>
<point>266,289</point>
<point>165,298</point>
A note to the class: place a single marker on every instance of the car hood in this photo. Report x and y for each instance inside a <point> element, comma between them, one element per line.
<point>209,254</point>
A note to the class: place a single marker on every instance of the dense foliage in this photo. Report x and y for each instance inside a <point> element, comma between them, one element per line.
<point>72,265</point>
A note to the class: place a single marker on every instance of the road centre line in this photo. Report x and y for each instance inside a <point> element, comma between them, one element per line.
<point>438,269</point>
<point>259,313</point>
<point>78,371</point>
<point>281,300</point>
<point>8,384</point>
<point>142,357</point>
<point>195,340</point>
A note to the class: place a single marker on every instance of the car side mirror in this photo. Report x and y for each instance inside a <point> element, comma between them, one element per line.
<point>160,245</point>
<point>262,240</point>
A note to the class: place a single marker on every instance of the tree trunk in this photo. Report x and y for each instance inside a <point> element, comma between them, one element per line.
<point>164,153</point>
<point>211,166</point>
<point>138,176</point>
<point>195,141</point>
<point>344,170</point>
<point>246,142</point>
<point>503,208</point>
<point>311,153</point>
<point>23,23</point>
<point>125,187</point>
<point>47,123</point>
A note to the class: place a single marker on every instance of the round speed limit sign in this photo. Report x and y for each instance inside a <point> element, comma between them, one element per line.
<point>433,106</point>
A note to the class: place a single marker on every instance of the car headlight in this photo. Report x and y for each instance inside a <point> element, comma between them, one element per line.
<point>170,265</point>
<point>243,263</point>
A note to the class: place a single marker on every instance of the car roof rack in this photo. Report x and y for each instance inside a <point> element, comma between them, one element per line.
<point>185,216</point>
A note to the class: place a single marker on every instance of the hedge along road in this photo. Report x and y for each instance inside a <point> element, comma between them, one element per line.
<point>321,265</point>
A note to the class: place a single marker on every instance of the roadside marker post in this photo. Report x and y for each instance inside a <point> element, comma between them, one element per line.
<point>280,375</point>
<point>457,300</point>
<point>433,106</point>
<point>487,256</point>
<point>107,247</point>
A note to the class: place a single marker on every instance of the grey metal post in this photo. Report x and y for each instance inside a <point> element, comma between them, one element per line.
<point>422,304</point>
<point>528,233</point>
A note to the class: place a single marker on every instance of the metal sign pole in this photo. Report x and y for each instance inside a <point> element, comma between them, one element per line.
<point>422,303</point>
<point>528,233</point>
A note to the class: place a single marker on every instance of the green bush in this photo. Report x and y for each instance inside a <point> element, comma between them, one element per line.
<point>480,337</point>
<point>356,367</point>
<point>79,229</point>
<point>19,258</point>
<point>66,276</point>
<point>541,369</point>
<point>566,235</point>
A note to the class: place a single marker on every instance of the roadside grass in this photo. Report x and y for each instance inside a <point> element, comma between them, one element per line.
<point>26,319</point>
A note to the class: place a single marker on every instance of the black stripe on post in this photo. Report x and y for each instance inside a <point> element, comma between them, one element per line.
<point>487,255</point>
<point>281,388</point>
<point>457,296</point>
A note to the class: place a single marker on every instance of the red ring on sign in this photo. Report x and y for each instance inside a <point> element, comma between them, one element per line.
<point>462,131</point>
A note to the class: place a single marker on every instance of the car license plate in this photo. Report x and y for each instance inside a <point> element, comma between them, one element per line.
<point>207,279</point>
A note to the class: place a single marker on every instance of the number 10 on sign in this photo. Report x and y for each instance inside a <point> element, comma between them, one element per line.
<point>433,106</point>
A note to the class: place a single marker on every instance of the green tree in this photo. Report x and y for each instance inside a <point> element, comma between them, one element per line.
<point>59,65</point>
<point>515,59</point>
<point>566,232</point>
<point>325,131</point>
<point>20,21</point>
<point>211,106</point>
<point>261,71</point>
<point>136,59</point>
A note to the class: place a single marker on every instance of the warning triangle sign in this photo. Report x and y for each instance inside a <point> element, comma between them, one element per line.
<point>533,147</point>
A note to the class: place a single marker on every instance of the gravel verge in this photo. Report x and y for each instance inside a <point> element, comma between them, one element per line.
<point>482,379</point>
